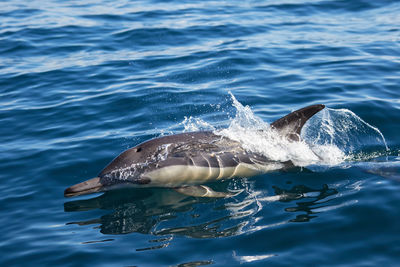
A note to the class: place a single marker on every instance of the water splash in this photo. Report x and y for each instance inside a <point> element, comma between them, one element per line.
<point>256,135</point>
<point>330,137</point>
<point>191,124</point>
<point>347,131</point>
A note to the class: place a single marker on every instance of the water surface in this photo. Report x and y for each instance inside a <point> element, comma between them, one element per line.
<point>82,81</point>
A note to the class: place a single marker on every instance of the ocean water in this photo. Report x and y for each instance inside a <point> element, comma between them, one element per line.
<point>81,81</point>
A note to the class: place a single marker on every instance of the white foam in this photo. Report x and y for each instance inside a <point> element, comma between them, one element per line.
<point>257,136</point>
<point>328,138</point>
<point>192,124</point>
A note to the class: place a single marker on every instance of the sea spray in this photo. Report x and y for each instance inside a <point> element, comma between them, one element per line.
<point>256,135</point>
<point>328,138</point>
<point>344,129</point>
<point>192,124</point>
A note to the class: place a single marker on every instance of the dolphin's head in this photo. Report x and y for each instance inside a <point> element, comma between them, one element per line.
<point>126,170</point>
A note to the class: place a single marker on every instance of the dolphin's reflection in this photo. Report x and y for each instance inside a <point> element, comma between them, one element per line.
<point>158,212</point>
<point>313,199</point>
<point>132,210</point>
<point>164,212</point>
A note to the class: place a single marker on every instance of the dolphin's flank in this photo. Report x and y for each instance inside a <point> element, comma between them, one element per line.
<point>185,161</point>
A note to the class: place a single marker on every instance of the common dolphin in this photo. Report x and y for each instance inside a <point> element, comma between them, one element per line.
<point>186,161</point>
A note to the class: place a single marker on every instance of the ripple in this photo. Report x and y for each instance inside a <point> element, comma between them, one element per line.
<point>81,82</point>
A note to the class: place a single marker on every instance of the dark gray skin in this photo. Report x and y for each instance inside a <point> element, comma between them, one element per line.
<point>189,149</point>
<point>185,160</point>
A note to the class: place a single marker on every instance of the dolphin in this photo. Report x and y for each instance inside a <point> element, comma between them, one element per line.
<point>186,161</point>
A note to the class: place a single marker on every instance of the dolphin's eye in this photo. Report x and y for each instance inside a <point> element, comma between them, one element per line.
<point>138,149</point>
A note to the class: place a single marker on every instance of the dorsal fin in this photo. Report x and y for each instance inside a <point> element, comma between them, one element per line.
<point>291,125</point>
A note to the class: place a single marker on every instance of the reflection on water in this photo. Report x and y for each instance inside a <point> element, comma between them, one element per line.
<point>160,212</point>
<point>312,197</point>
<point>165,212</point>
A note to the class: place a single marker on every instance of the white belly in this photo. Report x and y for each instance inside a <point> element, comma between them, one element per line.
<point>178,175</point>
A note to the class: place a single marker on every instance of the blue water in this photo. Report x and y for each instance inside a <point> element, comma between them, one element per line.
<point>82,81</point>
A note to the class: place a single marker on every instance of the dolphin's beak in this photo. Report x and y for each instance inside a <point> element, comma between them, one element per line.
<point>90,186</point>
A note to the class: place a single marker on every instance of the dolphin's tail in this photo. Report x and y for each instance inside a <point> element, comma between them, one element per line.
<point>87,187</point>
<point>291,125</point>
